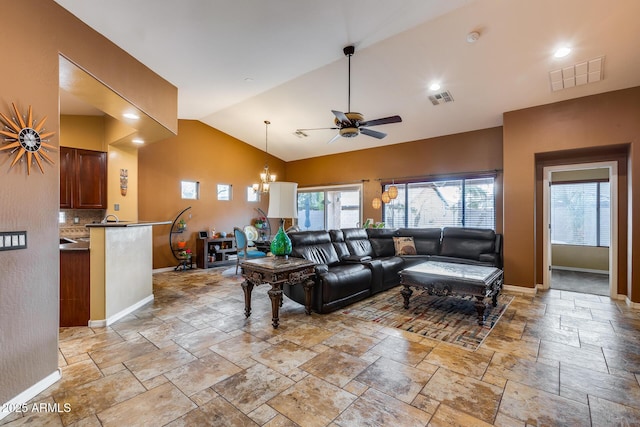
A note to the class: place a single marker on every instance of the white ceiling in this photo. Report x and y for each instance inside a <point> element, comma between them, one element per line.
<point>291,50</point>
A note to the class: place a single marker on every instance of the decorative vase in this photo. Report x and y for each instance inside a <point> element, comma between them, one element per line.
<point>281,244</point>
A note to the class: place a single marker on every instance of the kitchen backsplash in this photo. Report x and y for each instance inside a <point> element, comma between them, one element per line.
<point>69,228</point>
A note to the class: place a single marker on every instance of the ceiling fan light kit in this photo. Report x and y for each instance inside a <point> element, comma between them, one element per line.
<point>352,124</point>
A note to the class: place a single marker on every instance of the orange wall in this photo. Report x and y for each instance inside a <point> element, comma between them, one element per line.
<point>605,121</point>
<point>464,152</point>
<point>29,291</point>
<point>204,154</point>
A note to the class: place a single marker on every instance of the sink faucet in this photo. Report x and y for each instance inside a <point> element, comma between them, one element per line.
<point>104,220</point>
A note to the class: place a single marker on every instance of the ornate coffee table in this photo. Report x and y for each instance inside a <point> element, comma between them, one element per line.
<point>446,278</point>
<point>277,271</point>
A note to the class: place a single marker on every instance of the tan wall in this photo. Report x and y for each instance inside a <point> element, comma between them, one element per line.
<point>580,257</point>
<point>30,291</point>
<point>122,158</point>
<point>86,132</point>
<point>598,127</point>
<point>199,153</point>
<point>465,152</point>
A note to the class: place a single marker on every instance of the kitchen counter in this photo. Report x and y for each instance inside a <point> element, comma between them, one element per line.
<point>81,244</point>
<point>121,268</point>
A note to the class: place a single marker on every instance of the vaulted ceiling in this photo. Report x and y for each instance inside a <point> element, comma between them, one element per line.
<point>238,63</point>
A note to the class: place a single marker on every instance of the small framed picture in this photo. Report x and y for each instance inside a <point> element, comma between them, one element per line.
<point>224,191</point>
<point>202,234</point>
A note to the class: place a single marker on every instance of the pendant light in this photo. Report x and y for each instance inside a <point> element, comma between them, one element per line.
<point>266,177</point>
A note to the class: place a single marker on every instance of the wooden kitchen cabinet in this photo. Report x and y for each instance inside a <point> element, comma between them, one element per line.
<point>83,179</point>
<point>75,282</point>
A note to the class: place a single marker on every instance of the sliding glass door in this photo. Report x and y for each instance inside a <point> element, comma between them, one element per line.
<point>329,208</point>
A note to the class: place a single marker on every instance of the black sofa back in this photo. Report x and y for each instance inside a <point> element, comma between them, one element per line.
<point>315,246</point>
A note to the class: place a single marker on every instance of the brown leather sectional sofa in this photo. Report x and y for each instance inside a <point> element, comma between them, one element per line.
<point>354,263</point>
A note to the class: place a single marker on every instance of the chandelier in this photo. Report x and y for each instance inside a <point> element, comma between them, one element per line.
<point>266,177</point>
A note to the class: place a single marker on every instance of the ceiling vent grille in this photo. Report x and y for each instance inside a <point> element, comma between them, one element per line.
<point>441,98</point>
<point>590,71</point>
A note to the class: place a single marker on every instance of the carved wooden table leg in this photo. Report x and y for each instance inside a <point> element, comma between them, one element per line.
<point>480,306</point>
<point>406,293</point>
<point>247,287</point>
<point>308,288</point>
<point>275,293</point>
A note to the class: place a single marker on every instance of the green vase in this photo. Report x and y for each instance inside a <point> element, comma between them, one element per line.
<point>281,244</point>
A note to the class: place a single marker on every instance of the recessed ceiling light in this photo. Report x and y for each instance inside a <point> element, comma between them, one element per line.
<point>562,52</point>
<point>131,116</point>
<point>137,141</point>
<point>434,86</point>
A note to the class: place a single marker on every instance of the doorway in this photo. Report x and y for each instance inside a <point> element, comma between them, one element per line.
<point>580,260</point>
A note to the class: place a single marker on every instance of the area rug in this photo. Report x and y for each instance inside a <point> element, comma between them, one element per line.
<point>451,319</point>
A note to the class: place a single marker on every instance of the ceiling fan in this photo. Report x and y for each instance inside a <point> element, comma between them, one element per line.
<point>351,124</point>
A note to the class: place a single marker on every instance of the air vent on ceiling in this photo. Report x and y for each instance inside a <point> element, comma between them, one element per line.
<point>579,74</point>
<point>441,98</point>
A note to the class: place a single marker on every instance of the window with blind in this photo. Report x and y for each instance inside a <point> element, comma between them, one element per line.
<point>466,202</point>
<point>580,213</point>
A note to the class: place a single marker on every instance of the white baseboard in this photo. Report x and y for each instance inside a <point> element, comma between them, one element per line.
<point>29,393</point>
<point>580,270</point>
<point>630,303</point>
<point>162,270</point>
<point>112,319</point>
<point>522,289</point>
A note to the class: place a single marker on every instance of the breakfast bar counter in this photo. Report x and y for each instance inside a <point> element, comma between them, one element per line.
<point>121,265</point>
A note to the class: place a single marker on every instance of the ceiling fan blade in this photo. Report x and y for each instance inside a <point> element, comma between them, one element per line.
<point>334,139</point>
<point>302,130</point>
<point>383,121</point>
<point>341,117</point>
<point>373,133</point>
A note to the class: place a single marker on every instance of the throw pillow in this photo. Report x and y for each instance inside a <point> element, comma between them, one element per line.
<point>404,246</point>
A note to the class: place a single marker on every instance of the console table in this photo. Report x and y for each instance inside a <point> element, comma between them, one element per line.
<point>447,278</point>
<point>277,271</point>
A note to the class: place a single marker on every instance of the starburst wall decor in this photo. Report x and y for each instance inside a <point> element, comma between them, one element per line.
<point>22,136</point>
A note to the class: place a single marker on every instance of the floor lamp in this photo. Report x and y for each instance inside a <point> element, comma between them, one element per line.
<point>283,203</point>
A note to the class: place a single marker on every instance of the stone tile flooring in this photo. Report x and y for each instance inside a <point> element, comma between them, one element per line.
<point>192,359</point>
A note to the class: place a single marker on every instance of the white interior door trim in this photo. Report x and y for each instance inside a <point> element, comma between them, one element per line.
<point>546,216</point>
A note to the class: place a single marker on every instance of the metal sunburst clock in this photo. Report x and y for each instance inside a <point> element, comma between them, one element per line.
<point>23,137</point>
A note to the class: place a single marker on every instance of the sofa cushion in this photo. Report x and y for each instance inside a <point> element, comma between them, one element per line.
<point>337,238</point>
<point>426,240</point>
<point>358,241</point>
<point>381,241</point>
<point>404,246</point>
<point>344,280</point>
<point>467,242</point>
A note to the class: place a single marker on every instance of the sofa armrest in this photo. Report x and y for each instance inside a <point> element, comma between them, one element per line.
<point>356,258</point>
<point>322,269</point>
<point>490,258</point>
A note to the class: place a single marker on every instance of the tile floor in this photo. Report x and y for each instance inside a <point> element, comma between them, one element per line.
<point>192,359</point>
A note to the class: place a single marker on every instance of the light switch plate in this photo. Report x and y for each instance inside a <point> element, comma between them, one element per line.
<point>10,240</point>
